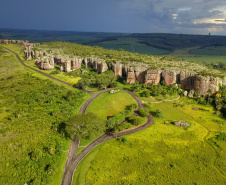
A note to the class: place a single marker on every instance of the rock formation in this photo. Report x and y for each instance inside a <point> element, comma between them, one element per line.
<point>152,77</point>
<point>181,124</point>
<point>117,68</point>
<point>141,72</point>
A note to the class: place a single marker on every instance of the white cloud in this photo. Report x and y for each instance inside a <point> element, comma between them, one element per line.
<point>180,14</point>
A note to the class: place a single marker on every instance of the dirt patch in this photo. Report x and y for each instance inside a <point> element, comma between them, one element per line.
<point>195,109</point>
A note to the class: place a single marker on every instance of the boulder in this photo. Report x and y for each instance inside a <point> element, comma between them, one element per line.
<point>191,94</point>
<point>181,124</point>
<point>185,93</point>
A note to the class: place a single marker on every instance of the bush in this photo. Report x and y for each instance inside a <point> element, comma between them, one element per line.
<point>135,120</point>
<point>143,113</point>
<point>124,126</point>
<point>158,113</point>
<point>222,136</point>
<point>122,139</point>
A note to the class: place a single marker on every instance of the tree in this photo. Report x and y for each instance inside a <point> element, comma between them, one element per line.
<point>158,113</point>
<point>135,120</point>
<point>143,113</point>
<point>83,83</point>
<point>84,126</point>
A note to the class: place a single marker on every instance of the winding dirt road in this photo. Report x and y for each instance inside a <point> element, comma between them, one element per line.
<point>70,168</point>
<point>73,160</point>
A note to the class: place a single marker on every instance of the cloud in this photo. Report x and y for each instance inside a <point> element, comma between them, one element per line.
<point>178,14</point>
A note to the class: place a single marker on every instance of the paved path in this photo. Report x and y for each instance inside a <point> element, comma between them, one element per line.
<point>90,93</point>
<point>71,167</point>
<point>73,160</point>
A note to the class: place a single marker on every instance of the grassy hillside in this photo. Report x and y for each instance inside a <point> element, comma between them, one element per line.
<point>164,154</point>
<point>108,104</point>
<point>32,150</point>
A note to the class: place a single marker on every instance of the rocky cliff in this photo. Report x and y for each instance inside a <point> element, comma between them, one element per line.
<point>141,72</point>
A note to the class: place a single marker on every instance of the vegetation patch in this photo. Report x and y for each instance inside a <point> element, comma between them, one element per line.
<point>159,154</point>
<point>108,104</point>
<point>32,108</point>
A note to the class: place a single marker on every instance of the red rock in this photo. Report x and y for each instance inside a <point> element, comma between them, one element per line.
<point>169,77</point>
<point>102,67</point>
<point>187,79</point>
<point>140,73</point>
<point>117,68</point>
<point>6,42</point>
<point>203,84</point>
<point>152,77</point>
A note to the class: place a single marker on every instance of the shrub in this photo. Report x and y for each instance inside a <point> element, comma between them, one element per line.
<point>122,139</point>
<point>222,136</point>
<point>124,126</point>
<point>135,120</point>
<point>158,113</point>
<point>143,113</point>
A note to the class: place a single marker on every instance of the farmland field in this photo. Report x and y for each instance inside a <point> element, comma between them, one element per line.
<point>131,45</point>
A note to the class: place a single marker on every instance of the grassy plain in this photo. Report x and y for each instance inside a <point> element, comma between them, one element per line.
<point>61,76</point>
<point>165,154</point>
<point>108,104</point>
<point>26,126</point>
<point>208,55</point>
<point>132,45</point>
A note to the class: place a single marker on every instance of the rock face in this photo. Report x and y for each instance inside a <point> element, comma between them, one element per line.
<point>152,77</point>
<point>204,84</point>
<point>101,67</point>
<point>181,124</point>
<point>6,42</point>
<point>45,64</point>
<point>170,77</point>
<point>131,77</point>
<point>187,79</point>
<point>140,74</point>
<point>133,71</point>
<point>67,66</point>
<point>117,68</point>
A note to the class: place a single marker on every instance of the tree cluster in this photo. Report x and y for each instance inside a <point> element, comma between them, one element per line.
<point>101,81</point>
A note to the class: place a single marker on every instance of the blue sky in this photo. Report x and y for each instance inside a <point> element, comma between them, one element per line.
<point>130,16</point>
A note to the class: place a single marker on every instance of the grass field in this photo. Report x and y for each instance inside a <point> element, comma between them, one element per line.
<point>208,55</point>
<point>164,154</point>
<point>61,76</point>
<point>108,104</point>
<point>131,45</point>
<point>12,70</point>
<point>211,50</point>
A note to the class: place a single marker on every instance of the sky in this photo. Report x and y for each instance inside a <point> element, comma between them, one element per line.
<point>127,16</point>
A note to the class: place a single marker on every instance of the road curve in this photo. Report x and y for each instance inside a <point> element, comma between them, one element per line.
<point>90,93</point>
<point>71,167</point>
<point>72,160</point>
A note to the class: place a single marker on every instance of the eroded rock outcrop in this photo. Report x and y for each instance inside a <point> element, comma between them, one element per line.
<point>117,68</point>
<point>133,71</point>
<point>152,77</point>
